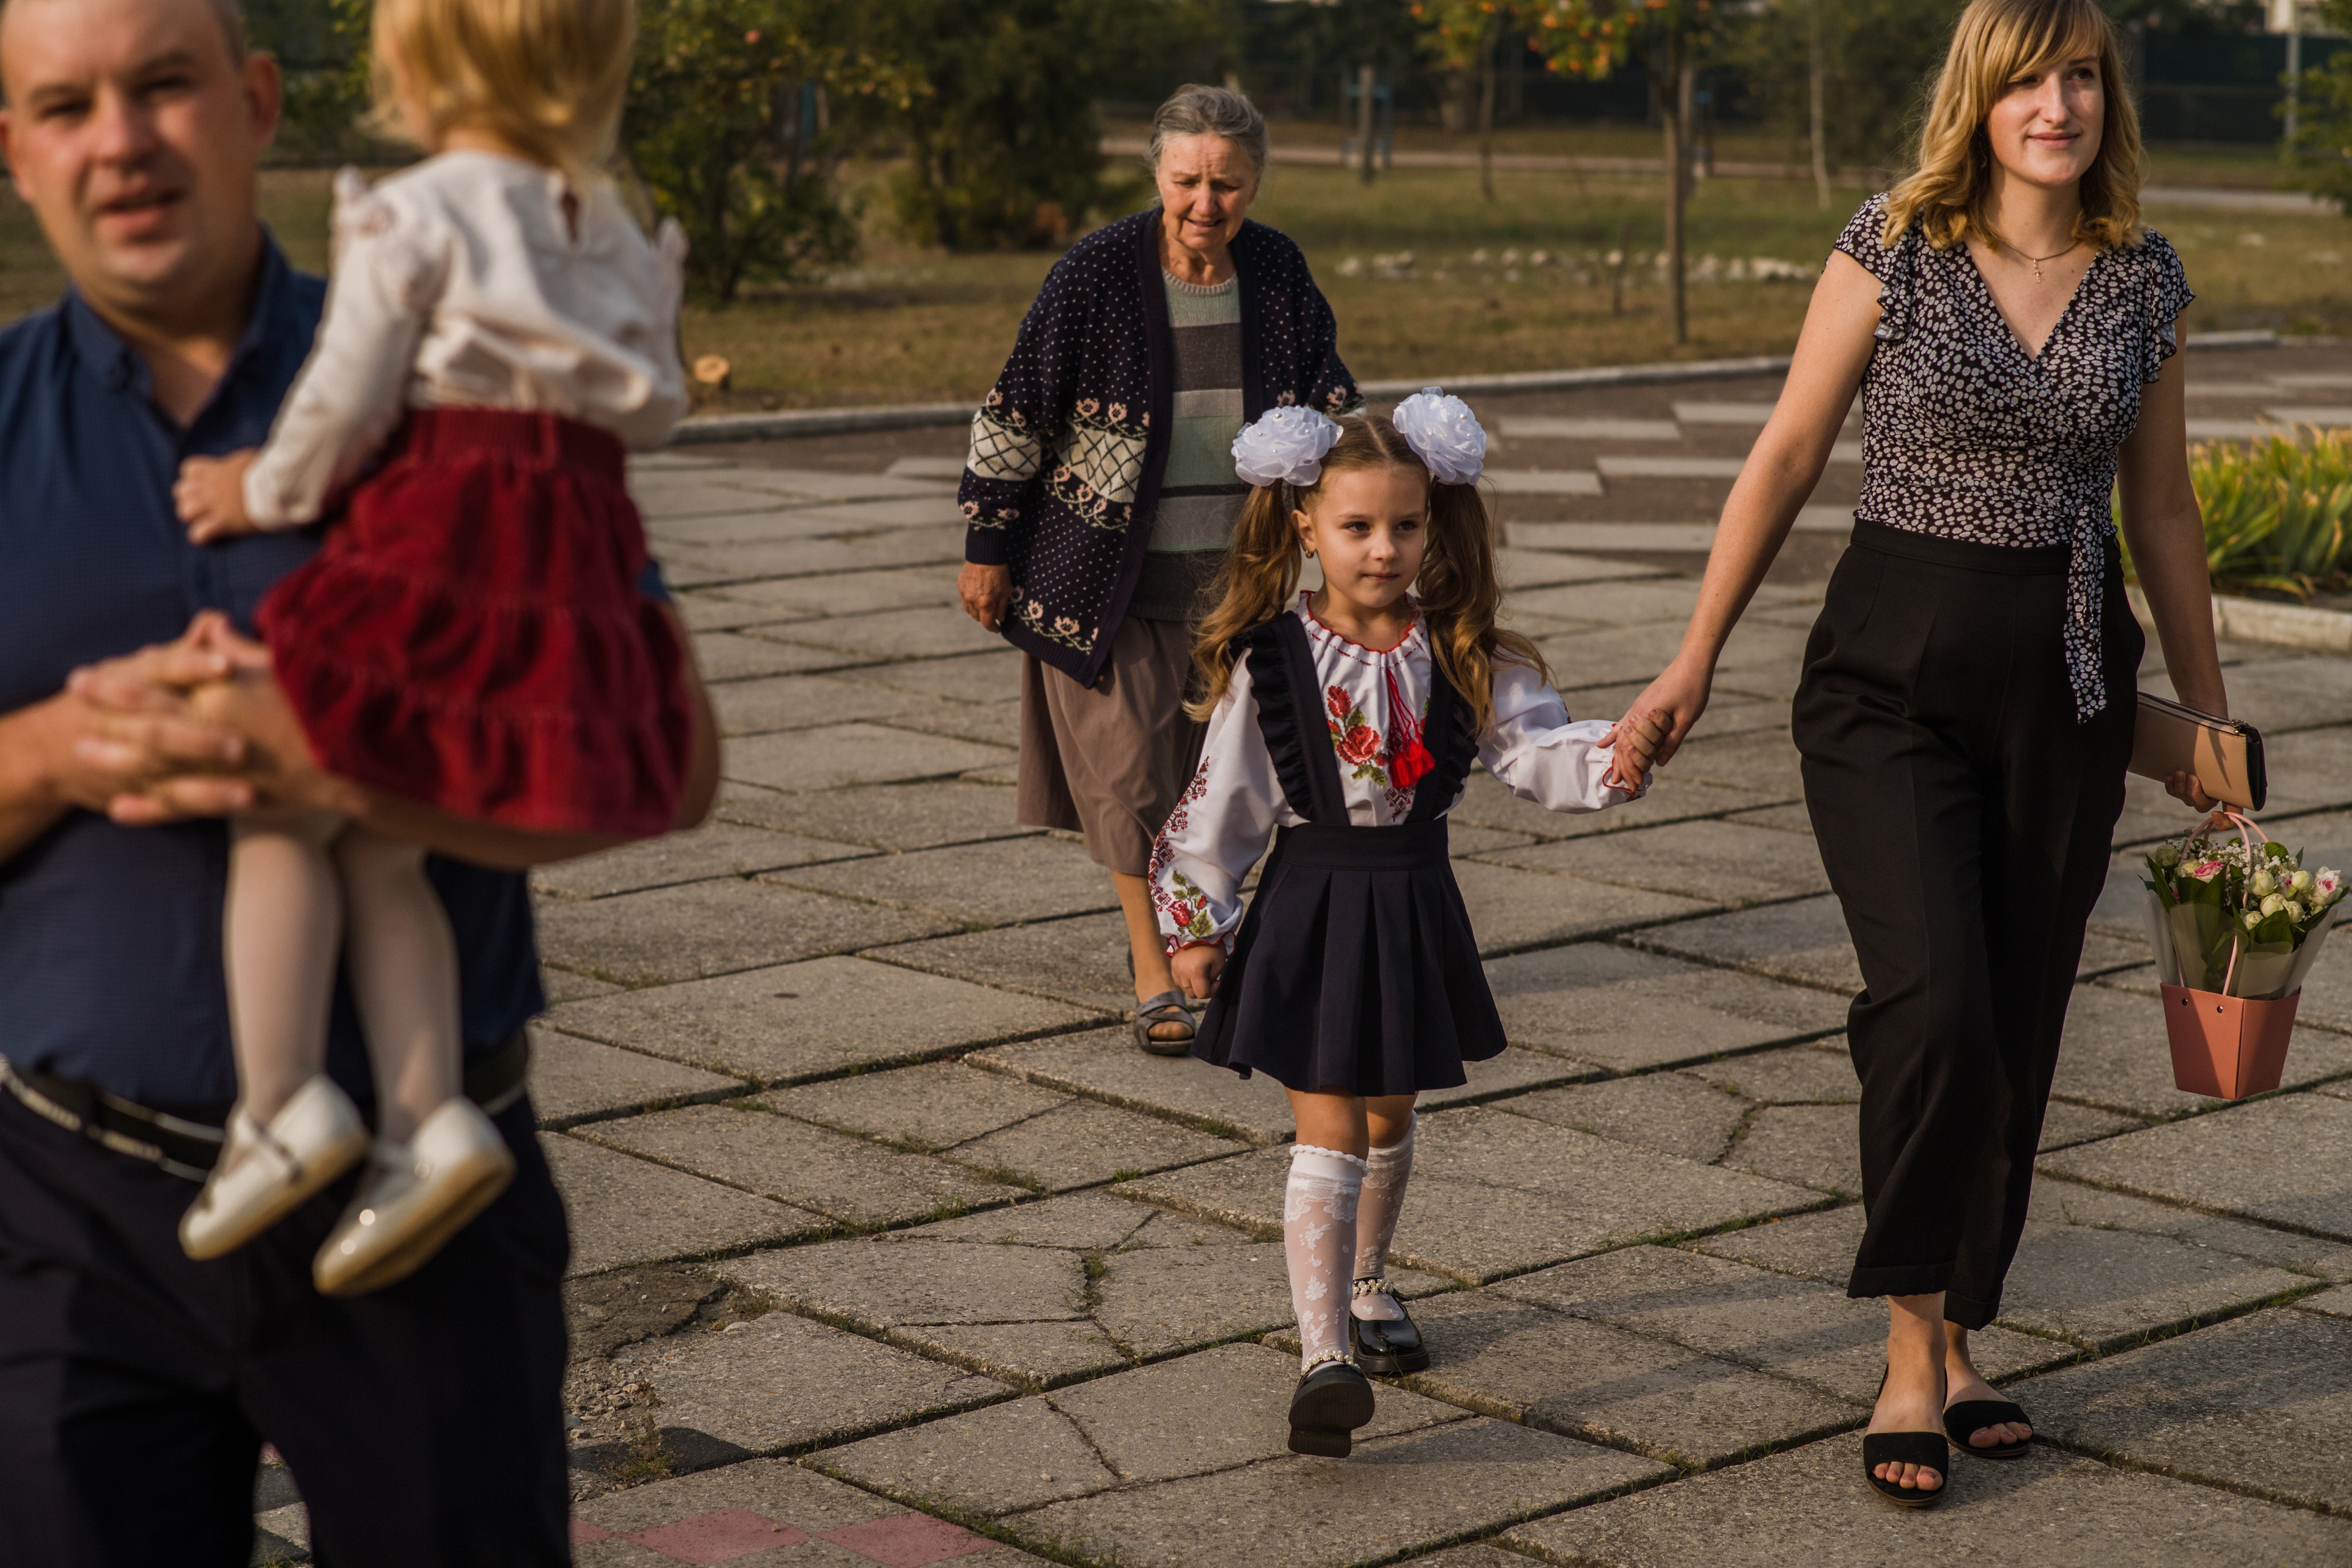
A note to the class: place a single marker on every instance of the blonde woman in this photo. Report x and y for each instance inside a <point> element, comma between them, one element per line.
<point>1966,709</point>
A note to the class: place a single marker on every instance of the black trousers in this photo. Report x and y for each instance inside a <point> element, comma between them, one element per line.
<point>423,1424</point>
<point>1964,819</point>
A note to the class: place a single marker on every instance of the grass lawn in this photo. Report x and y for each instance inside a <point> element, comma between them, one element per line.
<point>915,324</point>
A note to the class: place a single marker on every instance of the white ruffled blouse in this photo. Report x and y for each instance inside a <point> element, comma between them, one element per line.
<point>1230,810</point>
<point>461,283</point>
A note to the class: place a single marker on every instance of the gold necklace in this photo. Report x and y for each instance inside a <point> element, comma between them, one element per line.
<point>2038,260</point>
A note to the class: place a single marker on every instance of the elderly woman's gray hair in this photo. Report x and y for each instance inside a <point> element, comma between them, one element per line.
<point>1198,110</point>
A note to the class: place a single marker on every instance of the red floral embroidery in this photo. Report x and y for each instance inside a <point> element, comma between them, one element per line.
<point>1360,745</point>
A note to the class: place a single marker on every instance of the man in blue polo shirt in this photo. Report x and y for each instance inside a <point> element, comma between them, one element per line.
<point>422,1423</point>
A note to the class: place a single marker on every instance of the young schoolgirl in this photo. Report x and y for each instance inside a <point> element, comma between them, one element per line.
<point>1348,720</point>
<point>472,633</point>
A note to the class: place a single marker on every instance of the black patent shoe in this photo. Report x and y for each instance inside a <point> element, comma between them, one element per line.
<point>1390,1347</point>
<point>1331,1402</point>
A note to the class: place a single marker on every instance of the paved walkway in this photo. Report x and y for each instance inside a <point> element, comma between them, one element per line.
<point>890,1248</point>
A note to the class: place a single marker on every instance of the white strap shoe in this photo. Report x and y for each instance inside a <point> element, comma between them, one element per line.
<point>267,1172</point>
<point>414,1198</point>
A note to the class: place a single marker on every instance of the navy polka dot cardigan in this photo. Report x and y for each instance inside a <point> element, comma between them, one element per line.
<point>1068,451</point>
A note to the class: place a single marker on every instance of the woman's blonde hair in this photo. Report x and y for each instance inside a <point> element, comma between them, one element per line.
<point>547,76</point>
<point>1457,586</point>
<point>1994,43</point>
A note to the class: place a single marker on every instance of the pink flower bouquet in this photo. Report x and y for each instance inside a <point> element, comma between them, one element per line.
<point>2235,926</point>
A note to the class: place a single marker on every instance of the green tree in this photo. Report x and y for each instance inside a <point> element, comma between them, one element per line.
<point>2324,136</point>
<point>1591,38</point>
<point>1003,141</point>
<point>724,128</point>
<point>1877,60</point>
<point>1462,36</point>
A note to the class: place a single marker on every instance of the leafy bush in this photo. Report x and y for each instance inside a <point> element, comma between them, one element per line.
<point>1003,144</point>
<point>2278,513</point>
<point>2325,132</point>
<point>723,128</point>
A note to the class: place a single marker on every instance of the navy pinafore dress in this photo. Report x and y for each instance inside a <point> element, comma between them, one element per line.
<point>1355,971</point>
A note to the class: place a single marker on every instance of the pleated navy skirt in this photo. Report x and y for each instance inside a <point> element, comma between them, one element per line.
<point>1355,971</point>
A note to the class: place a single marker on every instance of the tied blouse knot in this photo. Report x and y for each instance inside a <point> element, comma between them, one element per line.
<point>1968,435</point>
<point>1375,703</point>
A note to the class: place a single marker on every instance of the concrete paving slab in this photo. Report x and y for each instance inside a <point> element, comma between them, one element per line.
<point>1771,1322</point>
<point>1544,481</point>
<point>1810,1506</point>
<point>1645,467</point>
<point>782,1382</point>
<point>1816,1146</point>
<point>1416,1490</point>
<point>1819,1245</point>
<point>1798,1075</point>
<point>1551,428</point>
<point>1495,1193</point>
<point>1679,1114</point>
<point>718,850</point>
<point>1477,1556</point>
<point>1081,960</point>
<point>2327,1004</point>
<point>1611,654</point>
<point>572,1079</point>
<point>1629,1010</point>
<point>967,677</point>
<point>1105,1065</point>
<point>1691,538</point>
<point>1765,762</point>
<point>561,985</point>
<point>2114,1055</point>
<point>2110,1289</point>
<point>2064,1125</point>
<point>1006,882</point>
<point>2335,1303</point>
<point>1522,1361</point>
<point>776,702</point>
<point>2255,1161</point>
<point>799,1021</point>
<point>1514,909</point>
<point>2310,769</point>
<point>1084,1143</point>
<point>714,1516</point>
<point>1804,942</point>
<point>847,1179</point>
<point>894,633</point>
<point>881,817</point>
<point>1485,802</point>
<point>1208,1413</point>
<point>736,656</point>
<point>625,1211</point>
<point>1530,568</point>
<point>856,753</point>
<point>2060,1202</point>
<point>1791,818</point>
<point>1730,865</point>
<point>931,1107</point>
<point>2263,1404</point>
<point>845,592</point>
<point>704,929</point>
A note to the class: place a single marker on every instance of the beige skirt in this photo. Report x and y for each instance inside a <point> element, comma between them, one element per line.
<point>1110,761</point>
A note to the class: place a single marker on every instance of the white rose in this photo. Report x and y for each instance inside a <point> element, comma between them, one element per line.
<point>1443,434</point>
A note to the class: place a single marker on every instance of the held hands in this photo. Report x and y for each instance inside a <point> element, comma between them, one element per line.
<point>1196,969</point>
<point>1636,740</point>
<point>1659,720</point>
<point>210,495</point>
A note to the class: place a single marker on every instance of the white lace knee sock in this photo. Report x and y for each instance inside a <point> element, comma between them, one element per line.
<point>1318,1236</point>
<point>1386,1171</point>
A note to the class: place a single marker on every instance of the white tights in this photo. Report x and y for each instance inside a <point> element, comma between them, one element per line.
<point>1318,1236</point>
<point>294,884</point>
<point>1386,1172</point>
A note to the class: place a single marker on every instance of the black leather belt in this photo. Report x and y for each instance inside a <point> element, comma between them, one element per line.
<point>189,1148</point>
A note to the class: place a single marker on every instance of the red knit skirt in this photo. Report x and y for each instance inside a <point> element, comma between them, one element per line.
<point>471,634</point>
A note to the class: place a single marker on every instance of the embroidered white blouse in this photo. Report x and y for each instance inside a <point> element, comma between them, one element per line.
<point>1230,810</point>
<point>462,282</point>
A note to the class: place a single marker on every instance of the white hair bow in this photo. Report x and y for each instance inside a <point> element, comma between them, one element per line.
<point>1443,434</point>
<point>1285,447</point>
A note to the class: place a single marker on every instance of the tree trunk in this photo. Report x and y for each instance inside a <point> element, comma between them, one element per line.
<point>1676,90</point>
<point>1814,62</point>
<point>1364,118</point>
<point>1486,114</point>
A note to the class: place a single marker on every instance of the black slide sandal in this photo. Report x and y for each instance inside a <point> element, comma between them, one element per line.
<point>1925,1449</point>
<point>1973,1415</point>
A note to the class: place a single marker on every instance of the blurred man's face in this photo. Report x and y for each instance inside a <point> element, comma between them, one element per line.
<point>135,135</point>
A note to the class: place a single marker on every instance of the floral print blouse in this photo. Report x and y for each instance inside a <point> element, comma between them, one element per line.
<point>1965,435</point>
<point>1374,702</point>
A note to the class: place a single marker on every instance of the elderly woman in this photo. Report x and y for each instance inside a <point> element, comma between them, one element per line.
<point>1967,706</point>
<point>1100,492</point>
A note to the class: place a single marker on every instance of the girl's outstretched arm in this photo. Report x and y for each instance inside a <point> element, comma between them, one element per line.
<point>1781,469</point>
<point>1538,753</point>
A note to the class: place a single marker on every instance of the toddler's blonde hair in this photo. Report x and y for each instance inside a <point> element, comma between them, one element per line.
<point>547,76</point>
